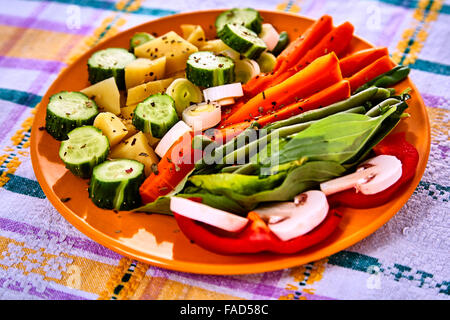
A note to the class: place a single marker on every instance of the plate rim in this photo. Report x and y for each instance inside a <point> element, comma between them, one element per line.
<point>194,267</point>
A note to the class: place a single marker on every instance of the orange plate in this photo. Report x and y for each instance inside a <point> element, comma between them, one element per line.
<point>156,239</point>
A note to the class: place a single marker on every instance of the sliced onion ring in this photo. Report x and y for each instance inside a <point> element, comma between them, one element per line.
<point>202,116</point>
<point>178,130</point>
<point>270,36</point>
<point>231,90</point>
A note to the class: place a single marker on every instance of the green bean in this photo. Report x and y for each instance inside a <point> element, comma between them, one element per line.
<point>232,169</point>
<point>377,110</point>
<point>283,132</point>
<point>354,101</point>
<point>386,79</point>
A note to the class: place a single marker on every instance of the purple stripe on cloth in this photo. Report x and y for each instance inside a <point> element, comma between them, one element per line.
<point>11,120</point>
<point>260,289</point>
<point>48,293</point>
<point>75,242</point>
<point>435,101</point>
<point>31,64</point>
<point>390,29</point>
<point>43,25</point>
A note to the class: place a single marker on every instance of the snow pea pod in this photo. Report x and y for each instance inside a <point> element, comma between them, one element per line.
<point>387,79</point>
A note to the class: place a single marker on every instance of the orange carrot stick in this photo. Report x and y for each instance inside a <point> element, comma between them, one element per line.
<point>373,70</point>
<point>361,59</point>
<point>320,74</point>
<point>291,54</point>
<point>300,46</point>
<point>335,41</point>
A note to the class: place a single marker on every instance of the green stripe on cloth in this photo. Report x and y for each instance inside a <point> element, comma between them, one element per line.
<point>353,260</point>
<point>21,185</point>
<point>20,97</point>
<point>433,67</point>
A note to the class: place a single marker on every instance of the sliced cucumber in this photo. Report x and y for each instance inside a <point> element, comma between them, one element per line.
<point>206,69</point>
<point>245,69</point>
<point>140,38</point>
<point>109,63</point>
<point>156,114</point>
<point>243,40</point>
<point>68,110</point>
<point>85,148</point>
<point>115,184</point>
<point>266,62</point>
<point>184,93</point>
<point>282,43</point>
<point>247,17</point>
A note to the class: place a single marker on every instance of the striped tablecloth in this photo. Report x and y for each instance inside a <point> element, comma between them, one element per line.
<point>43,257</point>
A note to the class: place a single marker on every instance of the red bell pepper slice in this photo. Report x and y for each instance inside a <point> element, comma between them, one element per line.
<point>395,145</point>
<point>255,237</point>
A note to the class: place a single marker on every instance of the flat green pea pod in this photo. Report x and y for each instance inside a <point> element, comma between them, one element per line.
<point>387,79</point>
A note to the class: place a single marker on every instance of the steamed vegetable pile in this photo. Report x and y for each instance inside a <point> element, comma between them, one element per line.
<point>252,141</point>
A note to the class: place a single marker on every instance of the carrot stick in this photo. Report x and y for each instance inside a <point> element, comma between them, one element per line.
<point>320,74</point>
<point>335,41</point>
<point>373,70</point>
<point>291,54</point>
<point>300,46</point>
<point>337,92</point>
<point>360,59</point>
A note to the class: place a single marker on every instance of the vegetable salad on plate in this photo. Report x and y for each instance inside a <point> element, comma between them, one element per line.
<point>251,140</point>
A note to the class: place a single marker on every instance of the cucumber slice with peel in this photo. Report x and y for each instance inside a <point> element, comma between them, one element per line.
<point>140,38</point>
<point>206,69</point>
<point>68,110</point>
<point>115,184</point>
<point>282,43</point>
<point>184,93</point>
<point>243,40</point>
<point>156,114</point>
<point>109,63</point>
<point>83,150</point>
<point>247,17</point>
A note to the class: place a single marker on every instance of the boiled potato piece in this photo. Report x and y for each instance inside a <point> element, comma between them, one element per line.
<point>197,37</point>
<point>128,123</point>
<point>216,46</point>
<point>127,112</point>
<point>172,46</point>
<point>187,29</point>
<point>152,141</point>
<point>111,126</point>
<point>105,94</point>
<point>144,70</point>
<point>141,92</point>
<point>136,148</point>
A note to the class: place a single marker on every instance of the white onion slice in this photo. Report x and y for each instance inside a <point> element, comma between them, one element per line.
<point>202,116</point>
<point>226,101</point>
<point>231,90</point>
<point>270,36</point>
<point>178,130</point>
<point>206,214</point>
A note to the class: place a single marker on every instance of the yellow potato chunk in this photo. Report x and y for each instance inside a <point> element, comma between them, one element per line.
<point>197,37</point>
<point>128,123</point>
<point>172,46</point>
<point>136,148</point>
<point>105,94</point>
<point>127,112</point>
<point>141,92</point>
<point>216,46</point>
<point>144,70</point>
<point>187,29</point>
<point>111,126</point>
<point>152,140</point>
